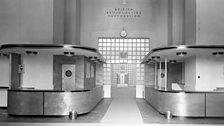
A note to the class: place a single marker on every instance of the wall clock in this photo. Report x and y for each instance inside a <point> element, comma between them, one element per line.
<point>123,33</point>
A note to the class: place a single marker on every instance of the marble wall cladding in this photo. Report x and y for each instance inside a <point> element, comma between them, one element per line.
<point>57,71</point>
<point>79,72</point>
<point>89,74</point>
<point>15,75</point>
<point>99,74</point>
<point>149,74</point>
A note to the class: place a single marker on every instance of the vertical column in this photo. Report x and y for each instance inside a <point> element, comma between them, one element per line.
<point>165,74</point>
<point>176,22</point>
<point>58,22</point>
<point>190,22</point>
<point>72,22</point>
<point>159,75</point>
<point>156,76</point>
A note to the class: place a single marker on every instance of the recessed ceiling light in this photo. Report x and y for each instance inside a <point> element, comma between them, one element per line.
<point>31,52</point>
<point>69,53</point>
<point>35,52</point>
<point>3,54</point>
<point>172,61</point>
<point>28,52</point>
<point>151,60</point>
<point>155,57</point>
<point>181,53</point>
<point>218,53</point>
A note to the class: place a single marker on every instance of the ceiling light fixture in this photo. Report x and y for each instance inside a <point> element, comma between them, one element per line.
<point>31,52</point>
<point>218,53</point>
<point>3,54</point>
<point>172,61</point>
<point>93,58</point>
<point>181,53</point>
<point>69,53</point>
<point>155,58</point>
<point>150,61</point>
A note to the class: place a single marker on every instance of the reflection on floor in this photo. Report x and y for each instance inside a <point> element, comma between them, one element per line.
<point>149,116</point>
<point>95,116</point>
<point>123,108</point>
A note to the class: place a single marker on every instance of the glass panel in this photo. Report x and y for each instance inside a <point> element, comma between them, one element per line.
<point>147,49</point>
<point>129,40</point>
<point>108,40</point>
<point>136,49</point>
<point>146,45</point>
<point>147,40</point>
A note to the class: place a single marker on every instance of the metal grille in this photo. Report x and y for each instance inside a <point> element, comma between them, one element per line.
<point>123,55</point>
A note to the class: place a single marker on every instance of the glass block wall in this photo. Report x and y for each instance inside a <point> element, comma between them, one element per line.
<point>123,55</point>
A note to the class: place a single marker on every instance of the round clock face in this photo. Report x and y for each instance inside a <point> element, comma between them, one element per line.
<point>123,33</point>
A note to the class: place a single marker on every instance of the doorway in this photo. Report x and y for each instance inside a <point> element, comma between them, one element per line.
<point>123,57</point>
<point>68,77</point>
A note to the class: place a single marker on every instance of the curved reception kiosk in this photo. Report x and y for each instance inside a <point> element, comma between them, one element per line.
<point>186,80</point>
<point>52,102</point>
<point>186,103</point>
<point>53,80</point>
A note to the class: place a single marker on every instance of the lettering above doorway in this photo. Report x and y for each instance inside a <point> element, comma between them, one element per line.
<point>123,12</point>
